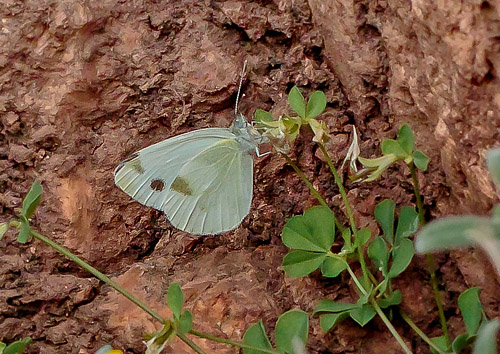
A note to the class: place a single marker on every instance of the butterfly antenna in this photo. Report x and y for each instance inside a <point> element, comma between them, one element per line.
<point>239,87</point>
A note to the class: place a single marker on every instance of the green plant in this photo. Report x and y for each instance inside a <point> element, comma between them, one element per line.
<point>469,230</point>
<point>16,347</point>
<point>311,236</point>
<point>290,331</point>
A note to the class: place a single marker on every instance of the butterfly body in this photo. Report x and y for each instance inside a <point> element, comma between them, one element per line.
<point>202,180</point>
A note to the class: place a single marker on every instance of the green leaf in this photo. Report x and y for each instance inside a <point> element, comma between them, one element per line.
<point>256,336</point>
<point>185,322</point>
<point>297,102</point>
<point>450,232</point>
<point>263,116</point>
<point>391,146</point>
<point>312,231</point>
<point>333,306</point>
<point>2,347</point>
<point>316,104</point>
<point>377,251</point>
<point>486,342</point>
<point>32,199</point>
<point>384,213</point>
<point>362,237</point>
<point>17,347</point>
<point>460,343</point>
<point>24,233</point>
<point>291,331</point>
<point>401,257</point>
<point>330,320</point>
<point>175,299</point>
<point>471,309</point>
<point>363,314</point>
<point>4,226</point>
<point>406,139</point>
<point>407,223</point>
<point>493,162</point>
<point>332,267</point>
<point>440,342</point>
<point>301,263</point>
<point>421,160</point>
<point>393,300</point>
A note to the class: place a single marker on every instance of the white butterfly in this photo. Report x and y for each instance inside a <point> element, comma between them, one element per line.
<point>201,180</point>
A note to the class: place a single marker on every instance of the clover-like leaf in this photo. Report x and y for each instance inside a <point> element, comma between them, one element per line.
<point>407,223</point>
<point>325,306</point>
<point>32,199</point>
<point>362,237</point>
<point>421,160</point>
<point>24,233</point>
<point>406,139</point>
<point>291,331</point>
<point>185,322</point>
<point>256,336</point>
<point>471,309</point>
<point>391,146</point>
<point>316,104</point>
<point>401,257</point>
<point>262,116</point>
<point>297,102</point>
<point>393,300</point>
<point>312,231</point>
<point>384,214</point>
<point>300,263</point>
<point>363,314</point>
<point>17,347</point>
<point>460,343</point>
<point>377,251</point>
<point>175,299</point>
<point>332,267</point>
<point>330,320</point>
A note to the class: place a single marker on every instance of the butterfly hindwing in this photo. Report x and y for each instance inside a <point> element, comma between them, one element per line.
<point>215,190</point>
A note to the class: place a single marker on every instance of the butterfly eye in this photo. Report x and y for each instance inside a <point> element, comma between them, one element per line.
<point>157,185</point>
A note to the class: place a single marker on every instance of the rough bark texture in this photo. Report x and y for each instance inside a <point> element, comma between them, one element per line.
<point>83,84</point>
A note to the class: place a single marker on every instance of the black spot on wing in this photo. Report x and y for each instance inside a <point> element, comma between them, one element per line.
<point>157,185</point>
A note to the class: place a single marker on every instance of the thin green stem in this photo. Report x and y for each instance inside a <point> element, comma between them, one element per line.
<point>190,343</point>
<point>417,330</point>
<point>379,311</point>
<point>339,183</point>
<point>65,252</point>
<point>350,213</point>
<point>230,342</point>
<point>313,190</point>
<point>429,258</point>
<point>389,325</point>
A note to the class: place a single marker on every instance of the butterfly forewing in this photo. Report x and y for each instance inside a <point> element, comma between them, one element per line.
<point>202,180</point>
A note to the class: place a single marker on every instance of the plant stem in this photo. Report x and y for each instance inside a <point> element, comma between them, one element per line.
<point>230,342</point>
<point>390,326</point>
<point>348,209</point>
<point>65,252</point>
<point>313,190</point>
<point>429,258</point>
<point>417,330</point>
<point>190,343</point>
<point>379,311</point>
